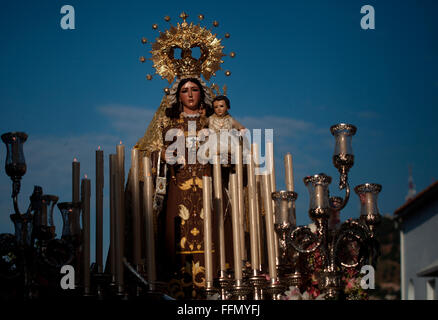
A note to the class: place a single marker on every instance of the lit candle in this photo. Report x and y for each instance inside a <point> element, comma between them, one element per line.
<point>85,198</point>
<point>208,244</point>
<point>219,210</point>
<point>76,168</point>
<point>236,229</point>
<point>288,166</point>
<point>99,209</point>
<point>239,173</point>
<point>135,191</point>
<point>113,221</point>
<point>267,203</point>
<point>255,262</point>
<point>148,209</point>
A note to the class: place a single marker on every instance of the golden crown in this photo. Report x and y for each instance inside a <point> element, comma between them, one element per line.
<point>185,37</point>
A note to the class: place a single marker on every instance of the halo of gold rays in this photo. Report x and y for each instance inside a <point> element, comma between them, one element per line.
<point>186,36</point>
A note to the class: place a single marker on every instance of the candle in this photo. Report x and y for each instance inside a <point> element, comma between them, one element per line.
<point>120,151</point>
<point>319,196</point>
<point>254,233</point>
<point>256,159</point>
<point>148,210</point>
<point>288,165</point>
<point>342,142</point>
<point>271,171</point>
<point>85,198</point>
<point>219,210</point>
<point>99,209</point>
<point>284,212</point>
<point>236,228</point>
<point>208,244</point>
<point>76,168</point>
<point>113,221</point>
<point>119,243</point>
<point>369,204</point>
<point>135,191</point>
<point>239,173</point>
<point>267,203</point>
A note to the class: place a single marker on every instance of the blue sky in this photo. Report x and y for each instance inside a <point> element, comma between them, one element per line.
<point>300,67</point>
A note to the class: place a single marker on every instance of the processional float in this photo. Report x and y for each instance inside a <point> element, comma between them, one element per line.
<point>273,259</point>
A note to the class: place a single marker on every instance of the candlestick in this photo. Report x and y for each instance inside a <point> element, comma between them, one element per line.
<point>76,168</point>
<point>85,198</point>
<point>208,244</point>
<point>267,203</point>
<point>219,210</point>
<point>239,173</point>
<point>254,233</point>
<point>113,221</point>
<point>135,191</point>
<point>289,172</point>
<point>99,209</point>
<point>149,223</point>
<point>236,228</point>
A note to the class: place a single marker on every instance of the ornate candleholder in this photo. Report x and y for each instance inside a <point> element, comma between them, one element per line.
<point>224,283</point>
<point>274,289</point>
<point>15,163</point>
<point>240,290</point>
<point>258,283</point>
<point>285,220</point>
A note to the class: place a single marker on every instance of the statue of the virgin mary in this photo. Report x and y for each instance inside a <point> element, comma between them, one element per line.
<point>178,203</point>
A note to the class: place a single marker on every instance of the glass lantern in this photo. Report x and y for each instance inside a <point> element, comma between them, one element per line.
<point>23,224</point>
<point>368,194</point>
<point>284,207</point>
<point>69,216</point>
<point>15,163</point>
<point>319,195</point>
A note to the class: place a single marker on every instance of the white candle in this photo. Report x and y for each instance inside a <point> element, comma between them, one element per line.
<point>271,170</point>
<point>236,229</point>
<point>135,191</point>
<point>148,191</point>
<point>208,244</point>
<point>76,168</point>
<point>256,159</point>
<point>120,151</point>
<point>254,233</point>
<point>113,221</point>
<point>219,210</point>
<point>289,172</point>
<point>239,173</point>
<point>120,231</point>
<point>99,210</point>
<point>267,202</point>
<point>85,192</point>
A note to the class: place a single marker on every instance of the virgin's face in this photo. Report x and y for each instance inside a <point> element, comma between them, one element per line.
<point>190,96</point>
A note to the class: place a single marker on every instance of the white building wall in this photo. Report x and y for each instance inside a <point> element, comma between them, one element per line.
<point>419,245</point>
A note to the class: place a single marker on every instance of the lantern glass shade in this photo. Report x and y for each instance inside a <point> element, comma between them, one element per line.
<point>69,216</point>
<point>23,224</point>
<point>15,163</point>
<point>368,194</point>
<point>343,134</point>
<point>284,207</point>
<point>318,191</point>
